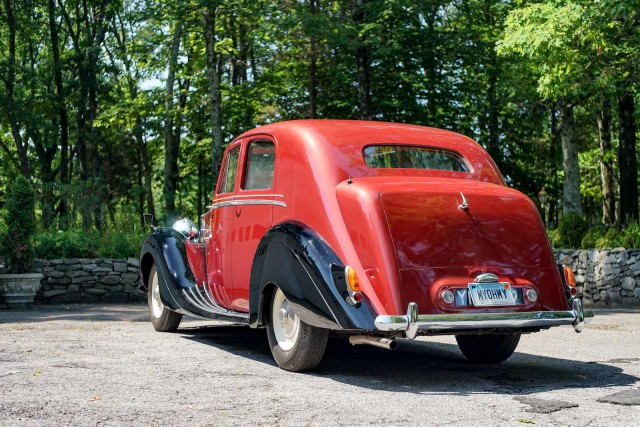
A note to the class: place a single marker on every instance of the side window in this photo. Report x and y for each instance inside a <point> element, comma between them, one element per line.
<point>230,169</point>
<point>260,164</point>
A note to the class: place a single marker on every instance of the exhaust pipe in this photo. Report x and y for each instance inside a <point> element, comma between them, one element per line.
<point>386,343</point>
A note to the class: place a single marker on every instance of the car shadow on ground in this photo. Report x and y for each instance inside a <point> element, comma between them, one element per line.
<point>425,367</point>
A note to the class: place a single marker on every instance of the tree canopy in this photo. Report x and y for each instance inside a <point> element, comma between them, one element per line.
<point>114,108</point>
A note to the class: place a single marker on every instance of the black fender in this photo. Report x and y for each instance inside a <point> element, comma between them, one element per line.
<point>297,260</point>
<point>165,247</point>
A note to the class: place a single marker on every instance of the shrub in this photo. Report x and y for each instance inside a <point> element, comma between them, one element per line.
<point>593,236</point>
<point>16,241</point>
<point>630,236</point>
<point>119,244</point>
<point>77,243</point>
<point>571,230</point>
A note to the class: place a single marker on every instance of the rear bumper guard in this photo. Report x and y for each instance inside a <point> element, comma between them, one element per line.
<point>411,323</point>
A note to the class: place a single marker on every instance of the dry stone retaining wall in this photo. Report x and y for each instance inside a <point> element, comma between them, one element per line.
<point>76,280</point>
<point>605,277</point>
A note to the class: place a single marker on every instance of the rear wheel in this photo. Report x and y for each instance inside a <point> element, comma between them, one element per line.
<point>163,319</point>
<point>295,345</point>
<point>488,348</point>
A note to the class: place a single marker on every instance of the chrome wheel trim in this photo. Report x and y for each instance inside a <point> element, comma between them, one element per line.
<point>156,302</point>
<point>286,325</point>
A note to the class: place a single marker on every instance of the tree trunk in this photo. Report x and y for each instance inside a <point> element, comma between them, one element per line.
<point>139,174</point>
<point>62,111</point>
<point>171,147</point>
<point>362,64</point>
<point>138,131</point>
<point>213,77</point>
<point>572,200</point>
<point>606,165</point>
<point>494,127</point>
<point>553,197</point>
<point>428,60</point>
<point>313,66</point>
<point>627,160</point>
<point>146,167</point>
<point>10,86</point>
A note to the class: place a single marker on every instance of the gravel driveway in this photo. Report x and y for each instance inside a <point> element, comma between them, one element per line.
<point>105,365</point>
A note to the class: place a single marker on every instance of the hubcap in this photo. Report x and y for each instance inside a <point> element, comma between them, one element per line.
<point>156,302</point>
<point>286,325</point>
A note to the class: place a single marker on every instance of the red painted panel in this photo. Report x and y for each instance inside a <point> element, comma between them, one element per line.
<point>196,258</point>
<point>427,239</point>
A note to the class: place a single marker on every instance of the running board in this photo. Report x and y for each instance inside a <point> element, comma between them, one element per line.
<point>203,300</point>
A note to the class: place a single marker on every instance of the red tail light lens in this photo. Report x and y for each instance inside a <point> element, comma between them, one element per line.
<point>570,280</point>
<point>353,286</point>
<point>569,277</point>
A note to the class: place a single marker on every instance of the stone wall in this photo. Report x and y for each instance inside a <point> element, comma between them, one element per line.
<point>75,280</point>
<point>605,277</point>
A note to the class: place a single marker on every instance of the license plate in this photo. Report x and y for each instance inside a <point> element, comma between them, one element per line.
<point>491,294</point>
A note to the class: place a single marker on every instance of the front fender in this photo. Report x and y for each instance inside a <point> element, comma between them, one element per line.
<point>297,260</point>
<point>165,247</point>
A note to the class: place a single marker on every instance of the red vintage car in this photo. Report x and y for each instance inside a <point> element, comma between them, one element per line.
<point>381,230</point>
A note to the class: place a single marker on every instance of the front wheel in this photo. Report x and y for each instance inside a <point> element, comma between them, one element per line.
<point>295,345</point>
<point>488,348</point>
<point>163,319</point>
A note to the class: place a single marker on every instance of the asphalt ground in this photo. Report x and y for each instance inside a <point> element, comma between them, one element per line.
<point>105,365</point>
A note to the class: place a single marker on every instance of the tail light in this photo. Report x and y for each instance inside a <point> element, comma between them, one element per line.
<point>570,280</point>
<point>353,286</point>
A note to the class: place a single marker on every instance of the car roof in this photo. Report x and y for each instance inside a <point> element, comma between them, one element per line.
<point>341,142</point>
<point>354,133</point>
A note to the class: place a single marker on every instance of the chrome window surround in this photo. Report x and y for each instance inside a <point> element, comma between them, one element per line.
<point>246,202</point>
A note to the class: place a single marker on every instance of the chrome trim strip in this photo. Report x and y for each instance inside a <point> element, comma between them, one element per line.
<point>486,278</point>
<point>411,323</point>
<point>223,204</point>
<point>207,304</point>
<point>249,196</point>
<point>188,296</point>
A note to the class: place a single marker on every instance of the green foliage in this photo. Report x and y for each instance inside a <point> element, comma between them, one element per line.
<point>596,237</point>
<point>78,243</point>
<point>630,236</point>
<point>601,237</point>
<point>16,242</point>
<point>432,63</point>
<point>571,231</point>
<point>75,243</point>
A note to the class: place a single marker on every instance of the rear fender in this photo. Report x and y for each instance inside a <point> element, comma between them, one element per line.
<point>297,260</point>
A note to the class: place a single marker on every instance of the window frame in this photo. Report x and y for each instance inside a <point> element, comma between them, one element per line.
<point>247,162</point>
<point>225,172</point>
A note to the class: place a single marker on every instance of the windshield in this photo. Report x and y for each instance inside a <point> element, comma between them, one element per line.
<point>411,157</point>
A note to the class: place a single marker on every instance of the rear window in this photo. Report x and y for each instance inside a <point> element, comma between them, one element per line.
<point>408,157</point>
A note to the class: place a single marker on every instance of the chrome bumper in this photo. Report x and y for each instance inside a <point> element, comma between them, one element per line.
<point>412,322</point>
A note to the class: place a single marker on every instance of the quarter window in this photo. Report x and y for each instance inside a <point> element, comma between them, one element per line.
<point>229,175</point>
<point>260,165</point>
<point>411,157</point>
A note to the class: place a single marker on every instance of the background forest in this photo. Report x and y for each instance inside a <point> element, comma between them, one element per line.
<point>114,108</point>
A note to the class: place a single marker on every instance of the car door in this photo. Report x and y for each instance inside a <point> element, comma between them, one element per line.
<point>254,203</point>
<point>221,219</point>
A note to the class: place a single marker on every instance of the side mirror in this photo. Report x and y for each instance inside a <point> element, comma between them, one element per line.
<point>148,220</point>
